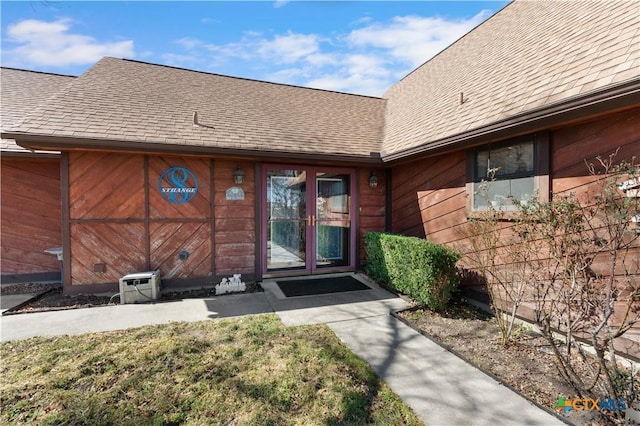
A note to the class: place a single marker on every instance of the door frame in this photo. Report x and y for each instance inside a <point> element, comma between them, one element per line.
<point>310,264</point>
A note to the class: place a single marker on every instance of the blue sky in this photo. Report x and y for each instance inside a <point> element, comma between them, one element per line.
<point>358,47</point>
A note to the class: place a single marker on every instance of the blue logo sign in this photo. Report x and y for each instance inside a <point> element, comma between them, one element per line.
<point>178,185</point>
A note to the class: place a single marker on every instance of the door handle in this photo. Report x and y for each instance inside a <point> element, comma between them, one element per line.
<point>311,220</point>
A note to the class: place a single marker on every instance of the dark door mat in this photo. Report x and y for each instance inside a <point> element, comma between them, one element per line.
<point>313,286</point>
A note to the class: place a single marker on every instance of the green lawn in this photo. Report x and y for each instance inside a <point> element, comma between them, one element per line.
<point>247,371</point>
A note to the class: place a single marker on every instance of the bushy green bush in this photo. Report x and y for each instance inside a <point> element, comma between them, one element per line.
<point>422,270</point>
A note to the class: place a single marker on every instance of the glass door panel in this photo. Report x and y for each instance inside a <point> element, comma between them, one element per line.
<point>333,219</point>
<point>308,223</point>
<point>286,219</point>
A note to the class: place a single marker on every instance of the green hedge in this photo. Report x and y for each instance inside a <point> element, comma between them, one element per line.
<point>422,270</point>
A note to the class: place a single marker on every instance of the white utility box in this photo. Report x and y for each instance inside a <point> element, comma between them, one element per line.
<point>140,287</point>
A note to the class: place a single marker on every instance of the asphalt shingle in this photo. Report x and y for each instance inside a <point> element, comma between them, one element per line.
<point>529,55</point>
<point>21,92</point>
<point>133,101</point>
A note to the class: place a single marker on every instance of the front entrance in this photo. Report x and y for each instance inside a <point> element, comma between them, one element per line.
<point>308,222</point>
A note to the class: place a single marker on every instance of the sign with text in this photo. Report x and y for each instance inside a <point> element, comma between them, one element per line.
<point>178,185</point>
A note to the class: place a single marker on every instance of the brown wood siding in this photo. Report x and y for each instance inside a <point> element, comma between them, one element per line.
<point>371,207</point>
<point>106,186</point>
<point>30,205</point>
<point>198,208</point>
<point>571,146</point>
<point>429,198</point>
<point>119,218</point>
<point>169,239</point>
<point>235,220</point>
<point>120,246</point>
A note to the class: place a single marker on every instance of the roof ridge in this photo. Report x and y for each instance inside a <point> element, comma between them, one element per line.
<point>243,78</point>
<point>39,72</point>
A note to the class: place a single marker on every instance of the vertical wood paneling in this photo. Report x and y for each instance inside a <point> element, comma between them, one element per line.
<point>30,205</point>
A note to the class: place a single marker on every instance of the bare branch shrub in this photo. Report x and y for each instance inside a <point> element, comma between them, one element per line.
<point>489,250</point>
<point>576,261</point>
<point>589,290</point>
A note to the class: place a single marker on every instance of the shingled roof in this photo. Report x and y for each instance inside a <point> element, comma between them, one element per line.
<point>139,104</point>
<point>527,57</point>
<point>532,61</point>
<point>22,91</point>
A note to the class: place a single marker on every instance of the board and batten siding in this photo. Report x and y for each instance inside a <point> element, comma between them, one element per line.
<point>30,215</point>
<point>119,222</point>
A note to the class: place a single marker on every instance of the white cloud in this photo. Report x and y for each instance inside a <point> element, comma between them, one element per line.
<point>280,3</point>
<point>288,48</point>
<point>189,43</point>
<point>361,64</point>
<point>414,39</point>
<point>38,43</point>
<point>288,76</point>
<point>367,61</point>
<point>358,73</point>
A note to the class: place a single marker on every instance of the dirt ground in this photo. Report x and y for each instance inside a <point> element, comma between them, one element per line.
<point>527,364</point>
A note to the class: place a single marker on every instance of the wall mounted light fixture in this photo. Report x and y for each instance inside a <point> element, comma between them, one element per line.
<point>373,180</point>
<point>238,176</point>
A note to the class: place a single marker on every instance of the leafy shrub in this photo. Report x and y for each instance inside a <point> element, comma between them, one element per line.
<point>423,270</point>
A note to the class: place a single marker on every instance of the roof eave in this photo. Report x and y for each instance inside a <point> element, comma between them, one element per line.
<point>33,141</point>
<point>611,98</point>
<point>40,155</point>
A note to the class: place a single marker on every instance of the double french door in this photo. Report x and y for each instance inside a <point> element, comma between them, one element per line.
<point>308,222</point>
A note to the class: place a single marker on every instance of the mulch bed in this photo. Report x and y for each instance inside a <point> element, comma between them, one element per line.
<point>49,297</point>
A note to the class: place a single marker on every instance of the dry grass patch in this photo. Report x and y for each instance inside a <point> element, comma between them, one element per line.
<point>251,370</point>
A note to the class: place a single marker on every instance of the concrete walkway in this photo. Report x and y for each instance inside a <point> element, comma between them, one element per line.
<point>441,388</point>
<point>12,300</point>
